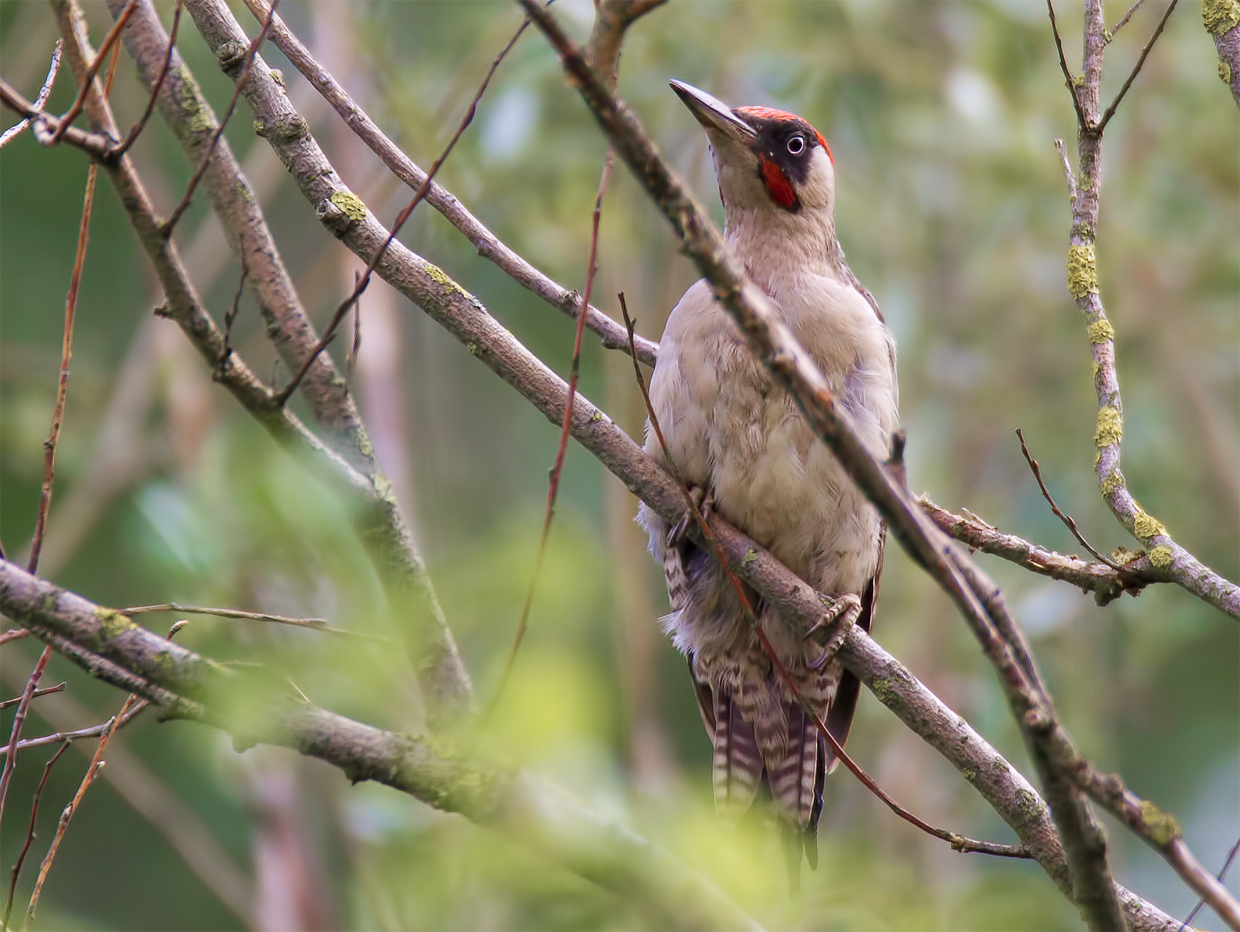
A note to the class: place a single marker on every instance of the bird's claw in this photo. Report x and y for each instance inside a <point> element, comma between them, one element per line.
<point>829,630</point>
<point>703,504</point>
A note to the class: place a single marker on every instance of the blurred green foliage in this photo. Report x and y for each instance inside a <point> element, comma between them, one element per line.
<point>952,209</point>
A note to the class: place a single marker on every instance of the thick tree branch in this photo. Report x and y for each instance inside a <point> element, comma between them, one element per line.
<point>519,805</point>
<point>1222,20</point>
<point>461,314</point>
<point>487,243</point>
<point>444,681</point>
<point>1164,554</point>
<point>1103,581</point>
<point>772,342</point>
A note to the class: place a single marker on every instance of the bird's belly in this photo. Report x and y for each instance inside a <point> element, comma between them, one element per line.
<point>784,488</point>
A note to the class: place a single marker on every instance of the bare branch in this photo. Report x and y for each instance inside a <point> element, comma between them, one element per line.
<point>832,629</point>
<point>448,777</point>
<point>97,145</point>
<point>1069,81</point>
<point>38,693</point>
<point>380,528</point>
<point>1222,21</point>
<point>170,224</point>
<point>19,720</point>
<point>94,731</point>
<point>30,832</point>
<point>136,129</point>
<point>88,79</point>
<point>1132,76</point>
<point>1160,831</point>
<point>1231,856</point>
<point>1098,578</point>
<point>315,624</point>
<point>488,245</point>
<point>561,450</point>
<point>770,339</point>
<point>92,771</point>
<point>1123,20</point>
<point>403,216</point>
<point>1165,555</point>
<point>44,93</point>
<point>1068,521</point>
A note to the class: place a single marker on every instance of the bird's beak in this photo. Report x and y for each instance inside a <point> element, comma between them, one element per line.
<point>713,113</point>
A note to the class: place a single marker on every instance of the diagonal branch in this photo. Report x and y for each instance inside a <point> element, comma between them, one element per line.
<point>1175,563</point>
<point>1136,69</point>
<point>445,301</point>
<point>487,243</point>
<point>44,93</point>
<point>514,803</point>
<point>772,342</point>
<point>443,679</point>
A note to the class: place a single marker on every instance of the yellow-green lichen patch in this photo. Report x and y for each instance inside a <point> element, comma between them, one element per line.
<point>1123,555</point>
<point>350,205</point>
<point>1028,804</point>
<point>278,76</point>
<point>1145,526</point>
<point>1224,71</point>
<point>1110,427</point>
<point>750,556</point>
<point>1161,826</point>
<point>1112,482</point>
<point>1220,15</point>
<point>113,623</point>
<point>443,279</point>
<point>193,106</point>
<point>1161,556</point>
<point>1082,271</point>
<point>1100,331</point>
<point>383,489</point>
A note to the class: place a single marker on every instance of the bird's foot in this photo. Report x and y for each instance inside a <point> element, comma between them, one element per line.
<point>703,503</point>
<point>829,630</point>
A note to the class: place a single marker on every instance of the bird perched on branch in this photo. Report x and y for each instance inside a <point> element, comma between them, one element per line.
<point>740,443</point>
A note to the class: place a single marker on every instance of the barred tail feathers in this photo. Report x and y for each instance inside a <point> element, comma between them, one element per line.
<point>737,768</point>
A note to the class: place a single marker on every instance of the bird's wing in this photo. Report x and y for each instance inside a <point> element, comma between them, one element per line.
<point>844,705</point>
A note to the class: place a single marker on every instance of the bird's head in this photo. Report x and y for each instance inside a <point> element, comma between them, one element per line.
<point>765,159</point>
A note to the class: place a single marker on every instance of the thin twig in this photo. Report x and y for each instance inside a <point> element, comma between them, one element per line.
<point>1068,177</point>
<point>13,634</point>
<point>1110,111</point>
<point>93,731</point>
<point>19,720</point>
<point>44,93</point>
<point>1231,856</point>
<point>1063,65</point>
<point>89,78</point>
<point>958,842</point>
<point>66,347</point>
<point>58,688</point>
<point>92,771</point>
<point>329,334</point>
<point>49,456</point>
<point>487,244</point>
<point>97,145</point>
<point>315,624</point>
<point>553,487</point>
<point>137,128</point>
<point>168,225</point>
<point>1068,520</point>
<point>350,360</point>
<point>30,832</point>
<point>229,317</point>
<point>1123,20</point>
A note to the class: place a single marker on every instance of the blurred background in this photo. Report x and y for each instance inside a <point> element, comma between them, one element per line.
<point>952,209</point>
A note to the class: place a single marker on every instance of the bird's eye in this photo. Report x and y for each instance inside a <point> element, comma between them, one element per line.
<point>796,145</point>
